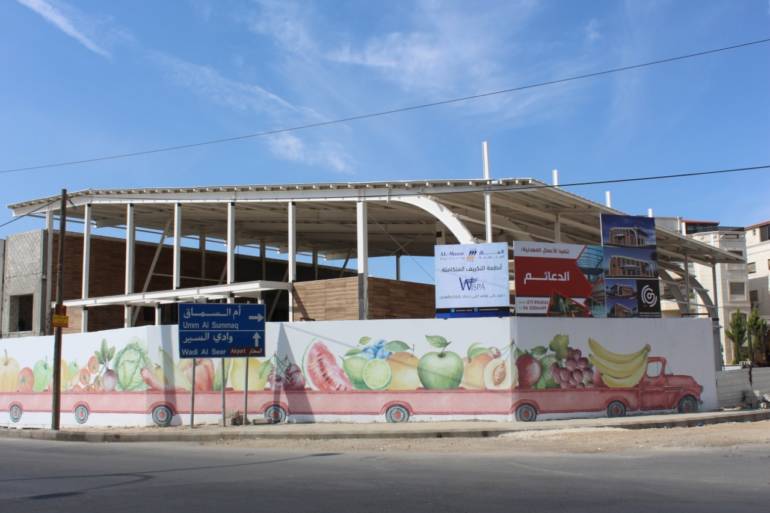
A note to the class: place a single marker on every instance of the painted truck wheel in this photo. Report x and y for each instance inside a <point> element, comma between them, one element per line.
<point>397,414</point>
<point>687,404</point>
<point>616,409</point>
<point>275,414</point>
<point>162,415</point>
<point>81,414</point>
<point>526,413</point>
<point>15,412</point>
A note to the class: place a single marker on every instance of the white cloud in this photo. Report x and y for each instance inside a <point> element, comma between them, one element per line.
<point>55,15</point>
<point>288,146</point>
<point>252,99</point>
<point>285,22</point>
<point>592,30</point>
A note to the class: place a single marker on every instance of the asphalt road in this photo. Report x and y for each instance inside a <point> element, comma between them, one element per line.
<point>144,478</point>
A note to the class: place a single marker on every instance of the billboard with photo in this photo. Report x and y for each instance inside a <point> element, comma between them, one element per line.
<point>472,280</point>
<point>559,280</point>
<point>630,266</point>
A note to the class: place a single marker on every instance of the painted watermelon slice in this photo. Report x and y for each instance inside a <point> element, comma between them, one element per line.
<point>322,371</point>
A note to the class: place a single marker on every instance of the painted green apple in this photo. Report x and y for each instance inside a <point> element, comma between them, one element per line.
<point>440,369</point>
<point>43,373</point>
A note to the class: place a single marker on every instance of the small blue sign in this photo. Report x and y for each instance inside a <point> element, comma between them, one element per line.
<point>221,330</point>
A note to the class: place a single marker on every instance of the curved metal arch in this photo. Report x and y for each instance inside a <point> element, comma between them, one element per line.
<point>441,213</point>
<point>696,287</point>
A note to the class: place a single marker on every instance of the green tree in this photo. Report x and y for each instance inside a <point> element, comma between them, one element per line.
<point>737,331</point>
<point>757,329</point>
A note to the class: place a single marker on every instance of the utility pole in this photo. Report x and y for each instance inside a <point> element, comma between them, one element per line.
<point>57,336</point>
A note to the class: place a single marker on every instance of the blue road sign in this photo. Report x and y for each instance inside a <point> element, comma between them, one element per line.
<point>221,330</point>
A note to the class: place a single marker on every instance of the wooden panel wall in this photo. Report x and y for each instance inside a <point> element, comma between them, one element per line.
<point>391,299</point>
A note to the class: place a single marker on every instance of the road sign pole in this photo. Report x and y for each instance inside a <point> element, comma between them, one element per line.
<point>246,394</point>
<point>192,398</point>
<point>224,379</point>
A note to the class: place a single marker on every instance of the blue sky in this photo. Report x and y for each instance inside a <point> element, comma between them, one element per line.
<point>88,78</point>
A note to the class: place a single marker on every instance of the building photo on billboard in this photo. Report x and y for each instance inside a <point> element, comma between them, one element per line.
<point>630,266</point>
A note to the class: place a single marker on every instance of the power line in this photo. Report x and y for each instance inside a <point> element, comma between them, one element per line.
<point>388,112</point>
<point>14,219</point>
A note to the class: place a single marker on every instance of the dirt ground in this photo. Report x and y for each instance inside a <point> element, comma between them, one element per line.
<point>576,440</point>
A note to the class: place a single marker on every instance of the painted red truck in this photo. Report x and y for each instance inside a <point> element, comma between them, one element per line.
<point>656,391</point>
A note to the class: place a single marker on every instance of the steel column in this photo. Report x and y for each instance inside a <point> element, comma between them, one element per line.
<point>130,259</point>
<point>86,265</point>
<point>487,194</point>
<point>176,272</point>
<point>362,258</point>
<point>292,263</point>
<point>230,266</point>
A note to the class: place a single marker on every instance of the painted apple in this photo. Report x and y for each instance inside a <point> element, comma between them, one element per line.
<point>440,370</point>
<point>529,370</point>
<point>204,373</point>
<point>473,375</point>
<point>26,381</point>
<point>43,374</point>
<point>9,373</point>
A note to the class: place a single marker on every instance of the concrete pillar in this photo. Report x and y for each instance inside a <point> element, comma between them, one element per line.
<point>557,228</point>
<point>230,243</point>
<point>45,323</point>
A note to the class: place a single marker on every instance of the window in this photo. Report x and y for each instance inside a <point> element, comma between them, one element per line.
<point>738,252</point>
<point>737,289</point>
<point>764,233</point>
<point>751,267</point>
<point>21,312</point>
<point>753,298</point>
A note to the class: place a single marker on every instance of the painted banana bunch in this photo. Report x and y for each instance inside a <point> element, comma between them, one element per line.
<point>619,370</point>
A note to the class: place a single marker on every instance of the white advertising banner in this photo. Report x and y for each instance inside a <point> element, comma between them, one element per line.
<point>471,276</point>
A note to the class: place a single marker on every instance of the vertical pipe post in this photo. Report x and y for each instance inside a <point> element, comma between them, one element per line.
<point>263,259</point>
<point>555,177</point>
<point>86,273</point>
<point>158,315</point>
<point>315,264</point>
<point>557,228</point>
<point>246,394</point>
<point>130,248</point>
<point>608,199</point>
<point>176,272</point>
<point>57,340</point>
<point>687,281</point>
<point>649,213</point>
<point>231,243</point>
<point>47,328</point>
<point>487,194</point>
<point>362,258</point>
<point>292,263</point>
<point>192,397</point>
<point>398,266</point>
<point>202,251</point>
<point>715,318</point>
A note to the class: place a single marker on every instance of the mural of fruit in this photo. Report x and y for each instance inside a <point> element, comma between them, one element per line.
<point>475,363</point>
<point>619,370</point>
<point>93,364</point>
<point>109,380</point>
<point>84,377</point>
<point>322,371</point>
<point>286,375</point>
<point>354,368</point>
<point>129,363</point>
<point>499,374</point>
<point>204,374</point>
<point>9,373</point>
<point>238,374</point>
<point>26,380</point>
<point>529,370</point>
<point>377,374</point>
<point>440,370</point>
<point>403,369</point>
<point>43,374</point>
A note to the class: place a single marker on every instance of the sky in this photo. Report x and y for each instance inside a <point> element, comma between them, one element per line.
<point>87,78</point>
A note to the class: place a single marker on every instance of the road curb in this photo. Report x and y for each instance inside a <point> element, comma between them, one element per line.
<point>257,433</point>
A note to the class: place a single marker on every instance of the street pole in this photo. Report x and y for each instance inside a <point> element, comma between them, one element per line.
<point>57,337</point>
<point>192,398</point>
<point>246,394</point>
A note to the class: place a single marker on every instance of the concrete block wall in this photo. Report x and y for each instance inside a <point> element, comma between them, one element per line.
<point>23,273</point>
<point>732,385</point>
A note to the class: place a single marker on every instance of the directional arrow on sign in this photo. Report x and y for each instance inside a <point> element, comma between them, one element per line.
<point>257,338</point>
<point>257,318</point>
